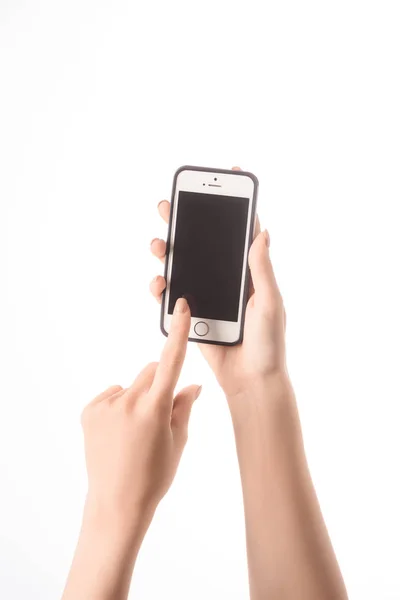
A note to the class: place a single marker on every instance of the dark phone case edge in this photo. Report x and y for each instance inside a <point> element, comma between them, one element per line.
<point>246,282</point>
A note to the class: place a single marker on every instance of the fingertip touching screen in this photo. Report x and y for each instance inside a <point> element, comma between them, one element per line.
<point>208,252</point>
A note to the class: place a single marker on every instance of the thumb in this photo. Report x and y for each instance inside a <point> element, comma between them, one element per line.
<point>183,403</point>
<point>262,273</point>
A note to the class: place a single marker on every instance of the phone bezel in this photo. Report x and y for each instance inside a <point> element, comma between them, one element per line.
<point>233,183</point>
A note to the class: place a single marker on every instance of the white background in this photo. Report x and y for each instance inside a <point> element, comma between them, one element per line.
<point>100,102</point>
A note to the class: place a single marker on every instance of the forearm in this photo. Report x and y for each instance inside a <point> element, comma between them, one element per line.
<point>290,555</point>
<point>105,555</point>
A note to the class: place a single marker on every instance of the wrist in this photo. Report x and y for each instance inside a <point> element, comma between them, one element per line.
<point>263,389</point>
<point>264,405</point>
<point>107,549</point>
<point>104,520</point>
<point>267,426</point>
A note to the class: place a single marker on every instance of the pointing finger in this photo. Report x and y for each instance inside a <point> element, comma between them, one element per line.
<point>173,355</point>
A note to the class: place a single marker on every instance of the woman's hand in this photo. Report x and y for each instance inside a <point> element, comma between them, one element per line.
<point>289,553</point>
<point>262,352</point>
<point>134,440</point>
<point>134,437</point>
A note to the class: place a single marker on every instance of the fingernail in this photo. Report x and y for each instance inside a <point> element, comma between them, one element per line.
<point>267,238</point>
<point>198,392</point>
<point>153,240</point>
<point>181,305</point>
<point>155,279</point>
<point>161,201</point>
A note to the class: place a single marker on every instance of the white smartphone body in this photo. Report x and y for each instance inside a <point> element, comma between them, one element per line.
<point>211,228</point>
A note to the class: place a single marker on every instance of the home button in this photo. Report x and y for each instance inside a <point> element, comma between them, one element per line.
<point>201,328</point>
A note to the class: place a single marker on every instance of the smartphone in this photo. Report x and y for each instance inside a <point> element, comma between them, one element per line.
<point>211,228</point>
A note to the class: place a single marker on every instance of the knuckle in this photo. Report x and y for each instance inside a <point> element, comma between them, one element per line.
<point>173,362</point>
<point>159,411</point>
<point>148,408</point>
<point>171,357</point>
<point>116,389</point>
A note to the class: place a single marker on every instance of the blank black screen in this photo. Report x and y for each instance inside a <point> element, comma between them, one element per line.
<point>208,254</point>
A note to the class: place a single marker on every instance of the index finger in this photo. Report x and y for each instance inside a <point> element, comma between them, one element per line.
<point>173,355</point>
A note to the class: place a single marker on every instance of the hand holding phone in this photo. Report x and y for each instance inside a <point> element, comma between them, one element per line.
<point>262,352</point>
